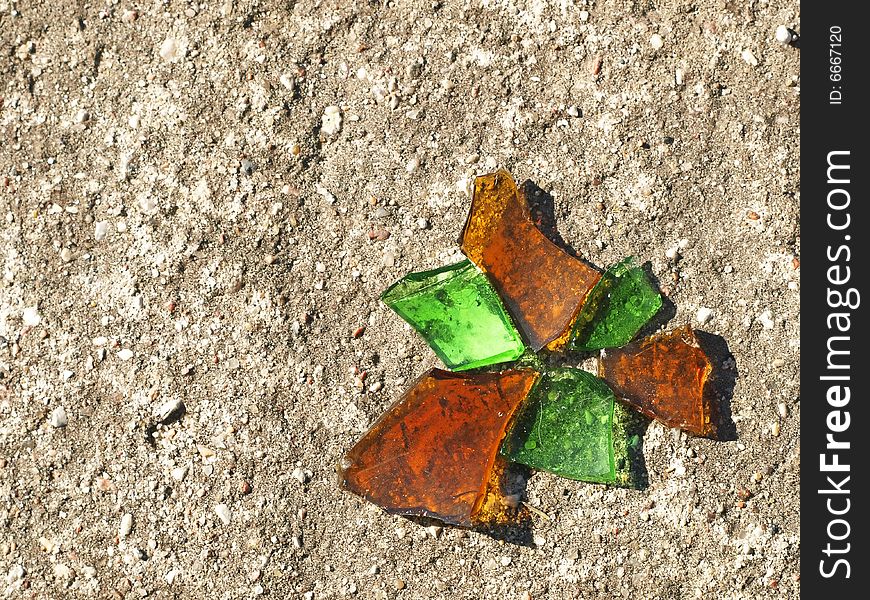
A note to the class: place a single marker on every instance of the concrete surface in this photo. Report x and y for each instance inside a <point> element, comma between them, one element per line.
<point>201,202</point>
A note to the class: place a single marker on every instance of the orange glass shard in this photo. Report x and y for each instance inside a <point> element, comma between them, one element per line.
<point>432,453</point>
<point>663,377</point>
<point>541,285</point>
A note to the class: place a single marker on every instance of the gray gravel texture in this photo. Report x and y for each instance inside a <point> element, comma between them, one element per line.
<point>186,243</point>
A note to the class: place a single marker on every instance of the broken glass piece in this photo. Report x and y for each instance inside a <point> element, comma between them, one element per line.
<point>628,430</point>
<point>501,504</point>
<point>432,453</point>
<point>459,314</point>
<point>565,427</point>
<point>542,286</point>
<point>663,377</point>
<point>618,306</point>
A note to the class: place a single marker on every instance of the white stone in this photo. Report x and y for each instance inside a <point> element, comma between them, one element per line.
<point>61,571</point>
<point>31,317</point>
<point>749,57</point>
<point>126,525</point>
<point>704,315</point>
<point>331,120</point>
<point>101,229</point>
<point>125,354</point>
<point>784,35</point>
<point>766,319</point>
<point>287,81</point>
<point>171,576</point>
<point>422,223</point>
<point>223,513</point>
<point>58,417</point>
<point>656,41</point>
<point>299,475</point>
<point>171,407</point>
<point>179,473</point>
<point>66,255</point>
<point>325,193</point>
<point>169,49</point>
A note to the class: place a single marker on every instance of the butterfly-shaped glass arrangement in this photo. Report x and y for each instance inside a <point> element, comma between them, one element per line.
<point>443,449</point>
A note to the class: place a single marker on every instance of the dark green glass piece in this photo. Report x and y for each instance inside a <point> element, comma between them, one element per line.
<point>566,427</point>
<point>618,306</point>
<point>628,431</point>
<point>459,314</point>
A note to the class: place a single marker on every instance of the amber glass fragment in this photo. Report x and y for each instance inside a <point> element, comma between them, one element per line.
<point>542,286</point>
<point>663,377</point>
<point>432,453</point>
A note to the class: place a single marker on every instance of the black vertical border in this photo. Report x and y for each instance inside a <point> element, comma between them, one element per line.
<point>827,127</point>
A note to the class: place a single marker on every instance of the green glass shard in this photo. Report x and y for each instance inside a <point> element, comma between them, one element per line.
<point>459,314</point>
<point>618,306</point>
<point>628,430</point>
<point>566,427</point>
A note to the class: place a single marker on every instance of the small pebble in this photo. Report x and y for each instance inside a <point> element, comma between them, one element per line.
<point>66,255</point>
<point>782,409</point>
<point>775,429</point>
<point>749,58</point>
<point>168,49</point>
<point>412,165</point>
<point>422,223</point>
<point>766,319</point>
<point>61,571</point>
<point>505,561</point>
<point>179,473</point>
<point>101,229</point>
<point>126,525</point>
<point>784,35</point>
<point>299,475</point>
<point>330,122</point>
<point>125,354</point>
<point>656,41</point>
<point>704,315</point>
<point>58,417</point>
<point>573,111</point>
<point>223,513</point>
<point>171,410</point>
<point>287,81</point>
<point>399,584</point>
<point>248,167</point>
<point>31,317</point>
